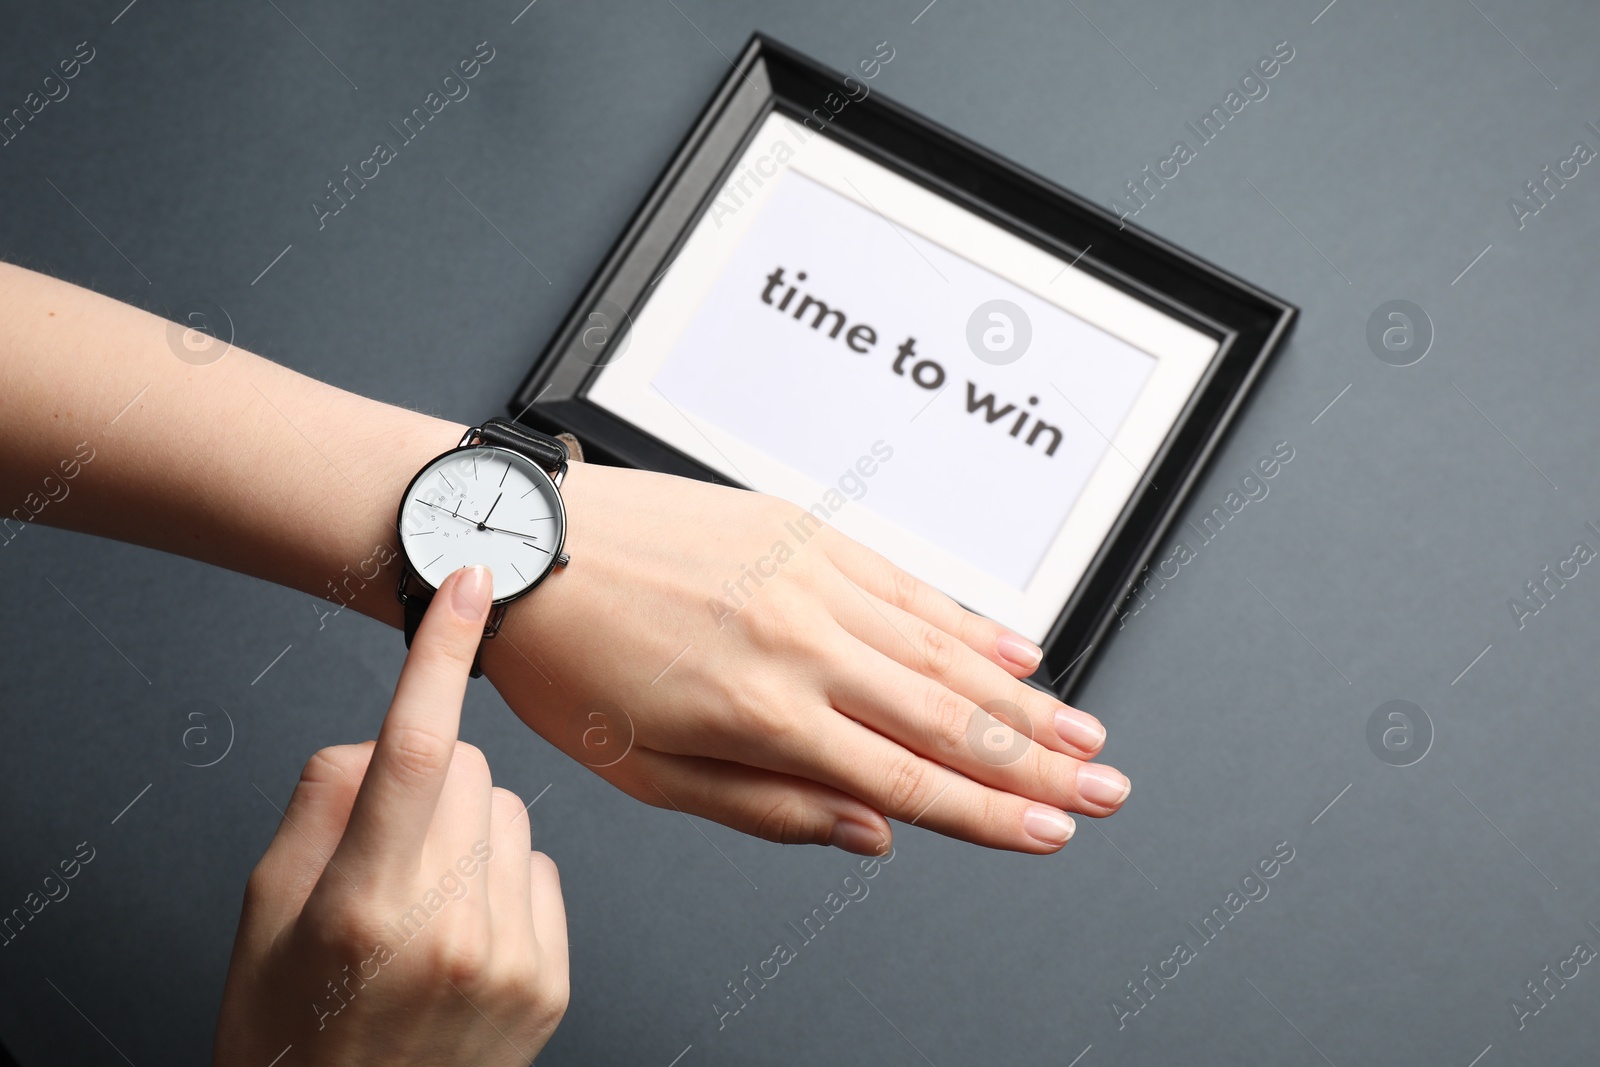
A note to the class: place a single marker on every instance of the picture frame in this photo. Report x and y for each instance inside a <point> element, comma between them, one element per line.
<point>1018,214</point>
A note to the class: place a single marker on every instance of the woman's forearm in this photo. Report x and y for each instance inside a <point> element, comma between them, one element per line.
<point>240,463</point>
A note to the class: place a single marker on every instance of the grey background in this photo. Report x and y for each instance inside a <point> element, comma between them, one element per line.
<point>1382,559</point>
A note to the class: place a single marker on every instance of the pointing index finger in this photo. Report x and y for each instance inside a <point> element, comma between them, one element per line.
<point>395,805</point>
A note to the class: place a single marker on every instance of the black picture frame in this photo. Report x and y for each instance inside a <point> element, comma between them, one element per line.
<point>1249,323</point>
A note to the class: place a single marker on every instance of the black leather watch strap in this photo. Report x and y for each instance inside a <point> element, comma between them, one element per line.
<point>543,449</point>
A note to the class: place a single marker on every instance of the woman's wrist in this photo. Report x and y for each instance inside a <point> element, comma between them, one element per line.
<point>354,560</point>
<point>407,442</point>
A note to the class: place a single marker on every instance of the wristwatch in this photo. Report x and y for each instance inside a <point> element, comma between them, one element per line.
<point>494,499</point>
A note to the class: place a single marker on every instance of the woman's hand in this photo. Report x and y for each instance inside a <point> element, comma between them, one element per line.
<point>399,916</point>
<point>720,652</point>
<point>813,703</point>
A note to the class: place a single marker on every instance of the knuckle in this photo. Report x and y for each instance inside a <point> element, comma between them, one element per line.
<point>653,788</point>
<point>418,754</point>
<point>635,780</point>
<point>907,784</point>
<point>556,993</point>
<point>259,889</point>
<point>325,765</point>
<point>463,960</point>
<point>504,801</point>
<point>938,651</point>
<point>1034,711</point>
<point>639,787</point>
<point>469,759</point>
<point>537,987</point>
<point>523,986</point>
<point>825,537</point>
<point>784,821</point>
<point>949,719</point>
<point>771,628</point>
<point>331,776</point>
<point>545,872</point>
<point>905,591</point>
<point>995,809</point>
<point>781,513</point>
<point>542,991</point>
<point>1043,771</point>
<point>508,818</point>
<point>546,876</point>
<point>766,717</point>
<point>344,925</point>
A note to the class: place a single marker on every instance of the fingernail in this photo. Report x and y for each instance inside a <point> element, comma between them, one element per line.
<point>1080,730</point>
<point>1105,787</point>
<point>1019,650</point>
<point>470,594</point>
<point>1047,825</point>
<point>857,837</point>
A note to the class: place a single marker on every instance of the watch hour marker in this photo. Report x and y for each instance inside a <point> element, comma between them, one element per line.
<point>447,481</point>
<point>518,569</point>
<point>546,551</point>
<point>432,561</point>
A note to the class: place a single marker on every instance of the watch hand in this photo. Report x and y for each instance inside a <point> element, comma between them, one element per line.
<point>453,515</point>
<point>514,533</point>
<point>486,526</point>
<point>483,524</point>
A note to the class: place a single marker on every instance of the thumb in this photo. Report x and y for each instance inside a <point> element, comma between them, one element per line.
<point>765,804</point>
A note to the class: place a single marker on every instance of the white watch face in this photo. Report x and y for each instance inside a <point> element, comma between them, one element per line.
<point>483,504</point>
